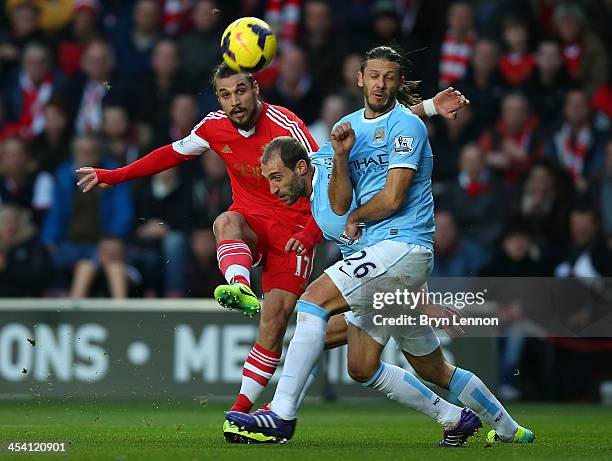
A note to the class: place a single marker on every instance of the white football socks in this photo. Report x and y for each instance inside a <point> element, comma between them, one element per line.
<point>402,386</point>
<point>309,381</point>
<point>303,352</point>
<point>472,392</point>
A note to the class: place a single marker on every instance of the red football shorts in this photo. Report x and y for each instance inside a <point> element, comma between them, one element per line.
<point>285,271</point>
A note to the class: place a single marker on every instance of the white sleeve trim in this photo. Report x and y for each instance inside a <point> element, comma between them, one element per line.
<point>412,166</point>
<point>191,145</point>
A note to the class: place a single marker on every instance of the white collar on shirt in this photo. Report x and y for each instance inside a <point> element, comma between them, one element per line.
<point>379,118</point>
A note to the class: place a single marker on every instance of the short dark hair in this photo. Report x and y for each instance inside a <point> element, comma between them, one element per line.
<point>222,70</point>
<point>406,94</point>
<point>291,151</point>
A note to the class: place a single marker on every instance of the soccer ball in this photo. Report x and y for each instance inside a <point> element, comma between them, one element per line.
<point>248,45</point>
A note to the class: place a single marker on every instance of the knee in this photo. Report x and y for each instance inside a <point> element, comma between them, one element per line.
<point>362,371</point>
<point>227,220</point>
<point>324,294</point>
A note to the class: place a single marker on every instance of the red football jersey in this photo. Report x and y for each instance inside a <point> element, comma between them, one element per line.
<point>241,151</point>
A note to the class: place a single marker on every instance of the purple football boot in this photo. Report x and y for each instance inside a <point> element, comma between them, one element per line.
<point>264,422</point>
<point>457,435</point>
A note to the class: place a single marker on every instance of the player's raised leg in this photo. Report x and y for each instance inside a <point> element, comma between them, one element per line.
<point>473,393</point>
<point>236,243</point>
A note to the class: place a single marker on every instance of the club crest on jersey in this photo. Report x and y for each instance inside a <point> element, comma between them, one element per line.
<point>379,136</point>
<point>403,144</point>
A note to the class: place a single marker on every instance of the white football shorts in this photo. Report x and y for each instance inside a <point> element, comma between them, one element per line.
<point>383,267</point>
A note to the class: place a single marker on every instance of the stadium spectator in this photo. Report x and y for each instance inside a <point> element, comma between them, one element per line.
<point>176,16</point>
<point>577,146</point>
<point>588,254</point>
<point>447,138</point>
<point>51,16</point>
<point>199,48</point>
<point>108,276</point>
<point>25,266</point>
<point>28,89</point>
<point>325,50</point>
<point>517,64</point>
<point>334,108</point>
<point>583,52</point>
<point>81,30</point>
<point>20,183</point>
<point>455,256</point>
<point>350,91</point>
<point>211,191</point>
<point>543,206</point>
<point>152,92</point>
<point>295,88</point>
<point>24,17</point>
<point>514,143</point>
<point>476,199</point>
<point>202,277</point>
<point>76,221</point>
<point>119,138</point>
<point>162,210</point>
<point>514,257</point>
<point>133,45</point>
<point>183,117</point>
<point>50,148</point>
<point>548,84</point>
<point>95,85</point>
<point>386,27</point>
<point>483,84</point>
<point>458,44</point>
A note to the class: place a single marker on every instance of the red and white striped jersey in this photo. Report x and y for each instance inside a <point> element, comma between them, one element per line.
<point>241,151</point>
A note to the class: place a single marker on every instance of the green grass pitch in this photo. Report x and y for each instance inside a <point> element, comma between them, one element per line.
<point>375,430</point>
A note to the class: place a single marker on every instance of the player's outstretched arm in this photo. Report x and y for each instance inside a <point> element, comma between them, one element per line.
<point>446,104</point>
<point>340,187</point>
<point>159,160</point>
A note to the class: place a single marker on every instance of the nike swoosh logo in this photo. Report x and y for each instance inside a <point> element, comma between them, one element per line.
<point>247,293</point>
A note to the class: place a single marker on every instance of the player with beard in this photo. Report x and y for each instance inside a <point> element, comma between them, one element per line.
<point>258,227</point>
<point>380,182</point>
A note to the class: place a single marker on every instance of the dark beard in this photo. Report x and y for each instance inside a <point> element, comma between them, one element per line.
<point>381,108</point>
<point>246,125</point>
<point>297,190</point>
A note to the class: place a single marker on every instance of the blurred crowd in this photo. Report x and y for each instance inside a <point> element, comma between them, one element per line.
<point>522,180</point>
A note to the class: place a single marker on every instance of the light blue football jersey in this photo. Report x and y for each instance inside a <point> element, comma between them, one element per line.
<point>397,139</point>
<point>329,222</point>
